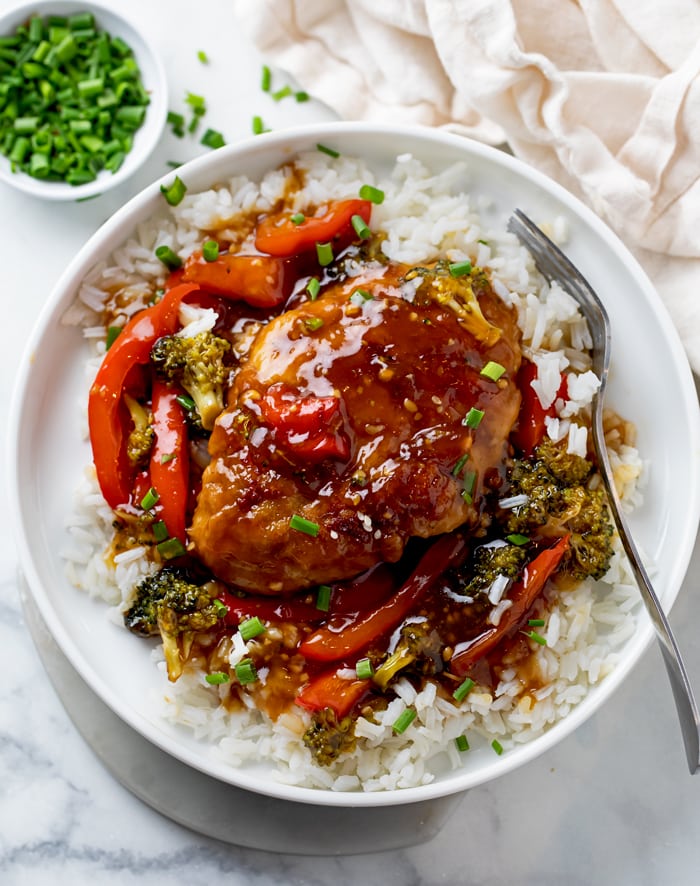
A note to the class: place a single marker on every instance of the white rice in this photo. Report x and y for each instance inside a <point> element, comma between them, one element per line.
<point>424,216</point>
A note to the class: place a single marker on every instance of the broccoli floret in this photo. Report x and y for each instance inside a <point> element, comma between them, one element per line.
<point>491,561</point>
<point>327,737</point>
<point>196,363</point>
<point>140,440</point>
<point>419,648</point>
<point>170,604</point>
<point>457,293</point>
<point>558,501</point>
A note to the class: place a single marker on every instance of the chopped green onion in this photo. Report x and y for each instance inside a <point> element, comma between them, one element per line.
<point>210,250</point>
<point>170,259</point>
<point>298,218</point>
<point>301,96</point>
<point>171,548</point>
<point>282,93</point>
<point>167,457</point>
<point>301,524</point>
<point>497,746</point>
<point>245,672</point>
<point>492,370</point>
<point>537,638</point>
<point>469,480</point>
<point>324,149</point>
<point>203,57</point>
<point>186,402</point>
<point>360,296</point>
<point>364,669</point>
<point>323,597</point>
<point>213,139</point>
<point>177,123</point>
<point>251,627</point>
<point>220,606</point>
<point>149,499</point>
<point>462,743</point>
<point>112,333</point>
<point>463,690</point>
<point>266,79</point>
<point>374,195</point>
<point>473,418</point>
<point>160,531</point>
<point>324,253</point>
<point>361,227</point>
<point>459,464</point>
<point>467,496</point>
<point>313,287</point>
<point>313,323</point>
<point>460,268</point>
<point>258,125</point>
<point>174,192</point>
<point>536,622</point>
<point>217,678</point>
<point>404,720</point>
<point>515,538</point>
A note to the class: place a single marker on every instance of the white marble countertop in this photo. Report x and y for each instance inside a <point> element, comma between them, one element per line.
<point>612,804</point>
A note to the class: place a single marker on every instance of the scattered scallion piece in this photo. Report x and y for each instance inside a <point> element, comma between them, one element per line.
<point>298,218</point>
<point>404,720</point>
<point>175,191</point>
<point>171,548</point>
<point>149,499</point>
<point>360,296</point>
<point>460,268</point>
<point>212,138</point>
<point>266,78</point>
<point>361,227</point>
<point>301,96</point>
<point>463,690</point>
<point>160,531</point>
<point>459,464</point>
<point>203,57</point>
<point>177,123</point>
<point>217,678</point>
<point>324,253</point>
<point>324,149</point>
<point>251,627</point>
<point>364,669</point>
<point>492,370</point>
<point>245,672</point>
<point>515,538</point>
<point>497,746</point>
<point>323,598</point>
<point>210,250</point>
<point>469,481</point>
<point>535,637</point>
<point>279,94</point>
<point>186,402</point>
<point>374,195</point>
<point>462,743</point>
<point>170,259</point>
<point>258,125</point>
<point>313,287</point>
<point>301,524</point>
<point>112,333</point>
<point>221,607</point>
<point>473,418</point>
<point>313,323</point>
<point>536,622</point>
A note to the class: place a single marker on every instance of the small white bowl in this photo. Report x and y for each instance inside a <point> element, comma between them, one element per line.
<point>152,76</point>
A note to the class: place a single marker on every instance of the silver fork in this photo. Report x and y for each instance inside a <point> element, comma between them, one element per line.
<point>554,265</point>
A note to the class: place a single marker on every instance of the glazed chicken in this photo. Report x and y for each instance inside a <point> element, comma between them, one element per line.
<point>353,425</point>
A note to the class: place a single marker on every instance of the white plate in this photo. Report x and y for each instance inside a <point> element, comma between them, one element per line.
<point>650,384</point>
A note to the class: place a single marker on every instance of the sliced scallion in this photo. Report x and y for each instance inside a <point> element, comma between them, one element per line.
<point>313,287</point>
<point>535,637</point>
<point>459,464</point>
<point>313,324</point>
<point>460,268</point>
<point>536,622</point>
<point>497,746</point>
<point>217,678</point>
<point>404,720</point>
<point>364,669</point>
<point>515,538</point>
<point>203,57</point>
<point>374,195</point>
<point>210,250</point>
<point>298,218</point>
<point>301,96</point>
<point>301,524</point>
<point>492,370</point>
<point>473,418</point>
<point>257,125</point>
<point>266,78</point>
<point>160,531</point>
<point>245,672</point>
<point>171,548</point>
<point>324,149</point>
<point>175,191</point>
<point>251,627</point>
<point>150,499</point>
<point>323,597</point>
<point>212,138</point>
<point>463,690</point>
<point>170,259</point>
<point>112,334</point>
<point>462,743</point>
<point>361,227</point>
<point>324,253</point>
<point>220,606</point>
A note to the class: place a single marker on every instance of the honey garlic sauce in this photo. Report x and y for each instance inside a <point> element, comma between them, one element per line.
<point>404,372</point>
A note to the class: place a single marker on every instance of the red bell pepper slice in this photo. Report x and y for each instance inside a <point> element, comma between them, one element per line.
<point>259,280</point>
<point>309,426</point>
<point>108,432</point>
<point>332,690</point>
<point>280,236</point>
<point>170,457</point>
<point>531,427</point>
<point>343,638</point>
<point>523,594</point>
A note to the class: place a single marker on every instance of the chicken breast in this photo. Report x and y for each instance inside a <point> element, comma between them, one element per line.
<point>347,430</point>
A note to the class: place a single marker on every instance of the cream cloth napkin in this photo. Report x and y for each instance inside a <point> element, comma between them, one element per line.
<point>602,95</point>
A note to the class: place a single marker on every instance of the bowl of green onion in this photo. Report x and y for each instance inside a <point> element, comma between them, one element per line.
<point>83,99</point>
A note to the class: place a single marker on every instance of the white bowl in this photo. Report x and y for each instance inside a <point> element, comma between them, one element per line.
<point>152,76</point>
<point>48,452</point>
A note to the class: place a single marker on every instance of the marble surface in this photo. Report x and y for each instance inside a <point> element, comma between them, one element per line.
<point>612,804</point>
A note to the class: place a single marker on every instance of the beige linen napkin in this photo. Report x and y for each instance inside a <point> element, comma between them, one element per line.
<point>602,95</point>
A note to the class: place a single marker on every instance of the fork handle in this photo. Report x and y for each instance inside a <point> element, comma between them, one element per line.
<point>680,684</point>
